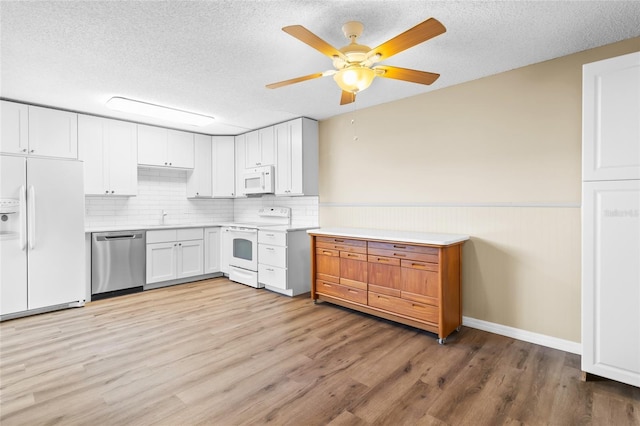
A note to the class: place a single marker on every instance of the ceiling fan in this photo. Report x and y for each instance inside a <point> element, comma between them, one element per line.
<point>354,63</point>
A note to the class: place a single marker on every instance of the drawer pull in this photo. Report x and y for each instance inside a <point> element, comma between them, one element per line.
<point>270,248</point>
<point>399,247</point>
<point>327,285</point>
<point>338,241</point>
<point>352,291</point>
<point>270,270</point>
<point>351,255</point>
<point>270,235</point>
<point>382,259</point>
<point>399,255</point>
<point>327,252</point>
<point>381,297</point>
<point>418,264</point>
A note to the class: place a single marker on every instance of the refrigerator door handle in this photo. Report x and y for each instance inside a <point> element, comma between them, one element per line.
<point>32,217</point>
<point>23,217</point>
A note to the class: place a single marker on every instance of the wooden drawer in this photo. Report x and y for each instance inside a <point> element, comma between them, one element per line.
<point>337,240</point>
<point>400,306</point>
<point>353,256</point>
<point>406,255</point>
<point>343,292</point>
<point>341,247</point>
<point>392,261</point>
<point>425,266</point>
<point>403,247</point>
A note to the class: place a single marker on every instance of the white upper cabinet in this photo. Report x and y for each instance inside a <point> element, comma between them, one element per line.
<point>223,171</point>
<point>239,142</point>
<point>36,131</point>
<point>14,129</point>
<point>260,148</point>
<point>199,181</point>
<point>611,107</point>
<point>297,157</point>
<point>165,148</point>
<point>109,151</point>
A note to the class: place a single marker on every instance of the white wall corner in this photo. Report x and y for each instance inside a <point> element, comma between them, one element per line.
<point>524,335</point>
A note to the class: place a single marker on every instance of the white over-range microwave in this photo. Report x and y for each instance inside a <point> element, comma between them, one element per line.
<point>258,180</point>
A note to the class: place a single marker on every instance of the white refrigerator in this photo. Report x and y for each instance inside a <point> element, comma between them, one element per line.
<point>611,219</point>
<point>42,256</point>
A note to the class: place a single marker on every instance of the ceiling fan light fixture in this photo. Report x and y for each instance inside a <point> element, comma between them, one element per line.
<point>354,79</point>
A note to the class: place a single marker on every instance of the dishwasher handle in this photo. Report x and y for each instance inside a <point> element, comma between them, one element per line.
<point>118,237</point>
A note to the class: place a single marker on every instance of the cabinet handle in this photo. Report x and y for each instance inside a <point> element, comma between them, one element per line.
<point>338,241</point>
<point>351,255</point>
<point>165,163</point>
<point>382,259</point>
<point>270,248</point>
<point>24,150</point>
<point>327,285</point>
<point>383,298</point>
<point>32,151</point>
<point>399,247</point>
<point>399,255</point>
<point>418,264</point>
<point>327,252</point>
<point>352,291</point>
<point>106,192</point>
<point>171,164</point>
<point>180,244</point>
<point>270,235</point>
<point>270,270</point>
<point>113,192</point>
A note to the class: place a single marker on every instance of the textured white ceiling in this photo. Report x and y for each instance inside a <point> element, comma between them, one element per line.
<point>215,57</point>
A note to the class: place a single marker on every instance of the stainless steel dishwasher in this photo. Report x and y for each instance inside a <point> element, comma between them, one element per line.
<point>118,263</point>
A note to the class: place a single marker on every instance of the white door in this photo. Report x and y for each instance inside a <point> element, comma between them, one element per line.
<point>53,133</point>
<point>223,167</point>
<point>13,249</point>
<point>611,280</point>
<point>161,262</point>
<point>199,182</point>
<point>91,152</point>
<point>211,250</point>
<point>180,149</point>
<point>121,157</point>
<point>152,146</point>
<point>190,258</point>
<point>611,111</point>
<point>55,200</point>
<point>14,128</point>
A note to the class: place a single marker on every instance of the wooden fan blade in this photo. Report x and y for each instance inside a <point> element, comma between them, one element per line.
<point>294,80</point>
<point>414,76</point>
<point>306,36</point>
<point>347,97</point>
<point>416,35</point>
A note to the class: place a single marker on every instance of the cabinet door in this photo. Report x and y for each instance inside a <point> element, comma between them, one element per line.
<point>385,274</point>
<point>267,146</point>
<point>211,250</point>
<point>611,280</point>
<point>53,133</point>
<point>161,262</point>
<point>353,269</point>
<point>14,128</point>
<point>121,157</point>
<point>91,150</point>
<point>223,172</point>
<point>199,181</point>
<point>252,149</point>
<point>225,249</point>
<point>190,258</point>
<point>240,148</point>
<point>152,146</point>
<point>420,282</point>
<point>289,158</point>
<point>328,265</point>
<point>611,128</point>
<point>180,149</point>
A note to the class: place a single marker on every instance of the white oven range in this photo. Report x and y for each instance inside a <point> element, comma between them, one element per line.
<point>243,244</point>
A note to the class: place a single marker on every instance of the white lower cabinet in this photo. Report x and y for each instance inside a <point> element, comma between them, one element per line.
<point>225,249</point>
<point>283,261</point>
<point>211,250</point>
<point>174,254</point>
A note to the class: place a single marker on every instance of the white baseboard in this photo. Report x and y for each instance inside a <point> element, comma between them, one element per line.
<point>527,336</point>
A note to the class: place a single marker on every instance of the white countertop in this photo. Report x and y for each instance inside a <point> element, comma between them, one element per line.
<point>390,235</point>
<point>278,228</point>
<point>148,227</point>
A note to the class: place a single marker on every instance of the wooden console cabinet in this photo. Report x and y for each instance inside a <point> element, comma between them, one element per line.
<point>410,278</point>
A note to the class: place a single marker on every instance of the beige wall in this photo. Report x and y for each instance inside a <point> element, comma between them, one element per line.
<point>497,158</point>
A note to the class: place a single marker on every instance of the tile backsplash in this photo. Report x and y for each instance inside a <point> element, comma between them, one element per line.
<point>160,189</point>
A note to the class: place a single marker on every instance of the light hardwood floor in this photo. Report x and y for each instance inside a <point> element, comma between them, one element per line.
<point>220,353</point>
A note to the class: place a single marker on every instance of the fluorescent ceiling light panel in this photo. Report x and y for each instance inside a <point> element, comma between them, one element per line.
<point>157,111</point>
